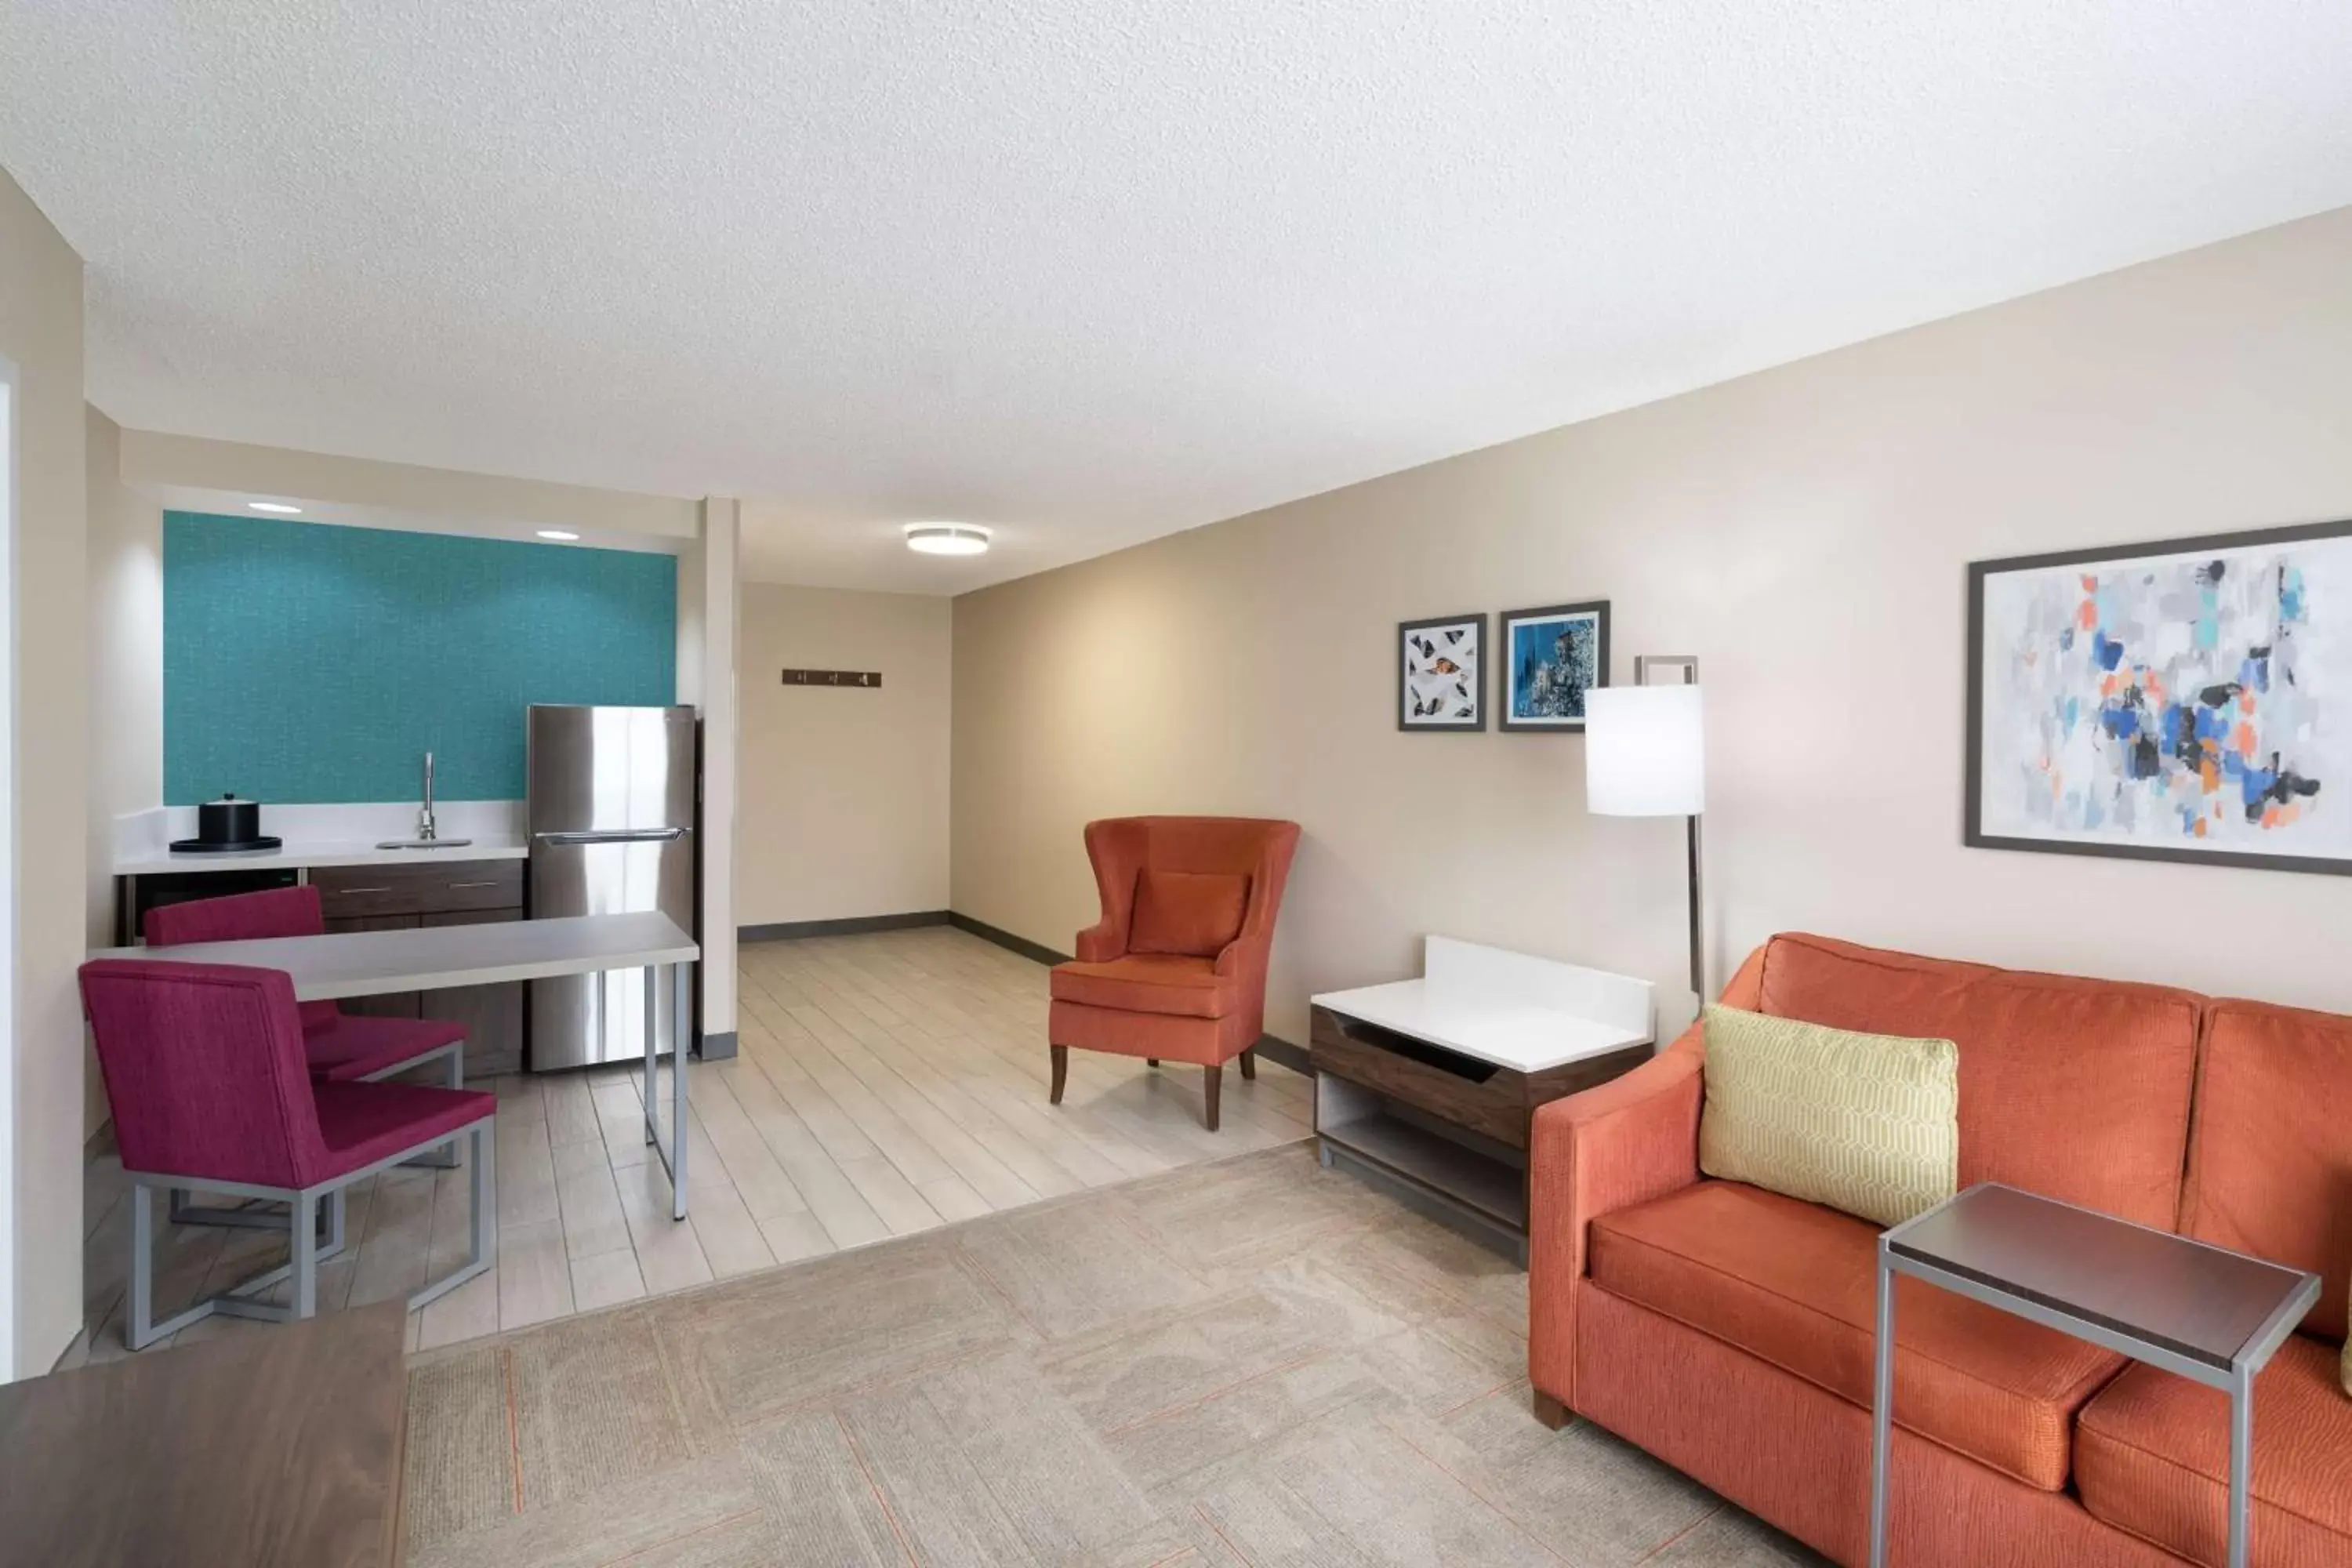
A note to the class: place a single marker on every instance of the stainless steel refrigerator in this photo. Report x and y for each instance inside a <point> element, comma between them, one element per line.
<point>611,816</point>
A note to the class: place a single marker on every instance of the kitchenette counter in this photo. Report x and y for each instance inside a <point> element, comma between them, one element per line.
<point>321,836</point>
<point>297,854</point>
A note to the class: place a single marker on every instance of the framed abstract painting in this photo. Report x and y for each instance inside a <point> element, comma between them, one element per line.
<point>1550,658</point>
<point>1441,668</point>
<point>2185,700</point>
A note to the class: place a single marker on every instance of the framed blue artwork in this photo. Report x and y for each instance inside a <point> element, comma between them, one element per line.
<point>1550,658</point>
<point>2186,701</point>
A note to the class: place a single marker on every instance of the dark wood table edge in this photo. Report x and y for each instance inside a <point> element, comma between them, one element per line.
<point>2253,1353</point>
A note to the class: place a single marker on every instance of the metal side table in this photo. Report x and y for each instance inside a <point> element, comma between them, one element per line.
<point>2197,1310</point>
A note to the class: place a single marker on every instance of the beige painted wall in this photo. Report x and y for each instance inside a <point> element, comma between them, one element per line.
<point>125,648</point>
<point>845,792</point>
<point>40,335</point>
<point>1804,531</point>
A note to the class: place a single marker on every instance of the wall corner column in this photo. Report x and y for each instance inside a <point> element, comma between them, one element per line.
<point>709,611</point>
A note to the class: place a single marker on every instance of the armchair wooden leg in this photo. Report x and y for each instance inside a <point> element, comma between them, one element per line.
<point>1061,1071</point>
<point>1249,1065</point>
<point>1214,1082</point>
<point>1151,1062</point>
<point>1550,1411</point>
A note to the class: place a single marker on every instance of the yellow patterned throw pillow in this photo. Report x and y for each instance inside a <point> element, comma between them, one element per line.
<point>1866,1124</point>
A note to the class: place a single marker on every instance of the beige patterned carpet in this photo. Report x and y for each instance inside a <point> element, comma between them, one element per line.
<point>1251,1362</point>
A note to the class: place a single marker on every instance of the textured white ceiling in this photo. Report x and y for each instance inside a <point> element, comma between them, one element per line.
<point>1096,271</point>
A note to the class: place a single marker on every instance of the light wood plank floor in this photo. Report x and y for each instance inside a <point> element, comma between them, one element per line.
<point>886,1084</point>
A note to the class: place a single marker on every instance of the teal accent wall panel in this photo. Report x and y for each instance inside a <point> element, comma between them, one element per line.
<point>307,662</point>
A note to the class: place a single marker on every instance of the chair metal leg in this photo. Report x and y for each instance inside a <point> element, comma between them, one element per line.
<point>302,1236</point>
<point>479,1221</point>
<point>453,1076</point>
<point>1213,1084</point>
<point>135,1331</point>
<point>1061,1055</point>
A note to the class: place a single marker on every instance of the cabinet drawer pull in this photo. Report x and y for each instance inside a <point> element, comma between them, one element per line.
<point>362,889</point>
<point>455,886</point>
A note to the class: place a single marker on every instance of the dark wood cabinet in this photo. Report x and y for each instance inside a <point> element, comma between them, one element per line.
<point>446,892</point>
<point>492,1014</point>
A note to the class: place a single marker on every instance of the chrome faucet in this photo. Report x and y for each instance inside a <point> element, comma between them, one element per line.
<point>426,831</point>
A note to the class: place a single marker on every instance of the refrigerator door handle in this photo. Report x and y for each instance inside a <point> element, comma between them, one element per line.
<point>612,836</point>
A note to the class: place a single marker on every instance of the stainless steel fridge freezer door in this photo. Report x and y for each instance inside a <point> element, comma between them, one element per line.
<point>596,769</point>
<point>584,1019</point>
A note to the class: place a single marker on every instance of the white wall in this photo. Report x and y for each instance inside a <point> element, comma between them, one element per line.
<point>844,792</point>
<point>40,334</point>
<point>1805,532</point>
<point>126,678</point>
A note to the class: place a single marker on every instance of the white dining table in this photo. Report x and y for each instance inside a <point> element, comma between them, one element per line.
<point>430,958</point>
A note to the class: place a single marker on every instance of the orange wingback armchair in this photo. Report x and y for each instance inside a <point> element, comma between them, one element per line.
<point>1175,969</point>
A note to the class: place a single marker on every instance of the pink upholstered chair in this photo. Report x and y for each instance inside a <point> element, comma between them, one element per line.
<point>1176,966</point>
<point>338,1044</point>
<point>211,1088</point>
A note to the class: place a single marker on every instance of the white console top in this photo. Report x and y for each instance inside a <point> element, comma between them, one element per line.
<point>1517,1011</point>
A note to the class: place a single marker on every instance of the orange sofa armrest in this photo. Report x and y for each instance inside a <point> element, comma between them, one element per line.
<point>1623,1143</point>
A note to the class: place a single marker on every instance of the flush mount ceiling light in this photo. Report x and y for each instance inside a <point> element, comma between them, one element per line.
<point>277,507</point>
<point>564,534</point>
<point>947,539</point>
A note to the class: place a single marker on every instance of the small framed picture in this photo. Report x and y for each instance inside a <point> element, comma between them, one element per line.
<point>1441,673</point>
<point>1550,658</point>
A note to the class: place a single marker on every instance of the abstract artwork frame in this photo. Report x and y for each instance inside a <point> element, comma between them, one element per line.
<point>2186,701</point>
<point>1547,660</point>
<point>1442,674</point>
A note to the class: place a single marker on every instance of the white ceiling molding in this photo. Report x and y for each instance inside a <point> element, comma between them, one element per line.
<point>1089,274</point>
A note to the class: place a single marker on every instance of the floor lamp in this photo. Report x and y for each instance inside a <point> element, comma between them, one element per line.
<point>1646,755</point>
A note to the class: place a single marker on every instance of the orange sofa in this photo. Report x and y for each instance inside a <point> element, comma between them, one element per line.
<point>1175,970</point>
<point>1728,1329</point>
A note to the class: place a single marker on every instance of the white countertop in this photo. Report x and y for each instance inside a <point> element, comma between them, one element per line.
<point>1512,1009</point>
<point>341,834</point>
<point>430,958</point>
<point>1519,1035</point>
<point>315,853</point>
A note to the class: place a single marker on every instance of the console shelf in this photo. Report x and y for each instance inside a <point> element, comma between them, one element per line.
<point>1431,1084</point>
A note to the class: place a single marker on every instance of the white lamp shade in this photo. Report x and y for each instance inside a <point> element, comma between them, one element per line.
<point>1645,752</point>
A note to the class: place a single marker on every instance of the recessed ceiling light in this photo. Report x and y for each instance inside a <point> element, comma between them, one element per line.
<point>946,538</point>
<point>563,533</point>
<point>278,507</point>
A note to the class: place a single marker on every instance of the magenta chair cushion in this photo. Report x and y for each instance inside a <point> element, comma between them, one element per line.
<point>208,1075</point>
<point>246,916</point>
<point>362,1123</point>
<point>356,1046</point>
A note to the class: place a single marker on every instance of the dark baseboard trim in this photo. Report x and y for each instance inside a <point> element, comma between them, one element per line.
<point>717,1047</point>
<point>855,925</point>
<point>1282,1053</point>
<point>1006,939</point>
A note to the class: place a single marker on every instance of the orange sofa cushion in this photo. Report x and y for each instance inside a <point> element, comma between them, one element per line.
<point>2076,1089</point>
<point>2270,1161</point>
<point>2152,1456</point>
<point>1194,913</point>
<point>1147,982</point>
<point>1795,1285</point>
